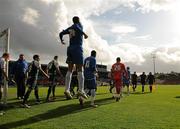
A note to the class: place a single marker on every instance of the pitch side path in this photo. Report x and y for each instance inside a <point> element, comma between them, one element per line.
<point>157,110</point>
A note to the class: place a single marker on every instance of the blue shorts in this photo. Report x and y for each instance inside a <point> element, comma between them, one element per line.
<point>90,84</point>
<point>75,55</point>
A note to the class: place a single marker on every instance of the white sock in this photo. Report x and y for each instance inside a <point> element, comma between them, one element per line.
<point>68,81</point>
<point>93,94</point>
<point>80,77</point>
<point>86,91</point>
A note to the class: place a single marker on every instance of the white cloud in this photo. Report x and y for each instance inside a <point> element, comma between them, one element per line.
<point>49,1</point>
<point>53,16</point>
<point>155,5</point>
<point>123,29</point>
<point>31,16</point>
<point>144,37</point>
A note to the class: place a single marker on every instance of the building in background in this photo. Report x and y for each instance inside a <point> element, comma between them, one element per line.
<point>102,72</point>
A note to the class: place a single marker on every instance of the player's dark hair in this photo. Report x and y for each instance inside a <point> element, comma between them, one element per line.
<point>35,57</point>
<point>76,19</point>
<point>128,68</point>
<point>55,57</point>
<point>5,54</point>
<point>21,55</point>
<point>93,53</point>
<point>118,59</point>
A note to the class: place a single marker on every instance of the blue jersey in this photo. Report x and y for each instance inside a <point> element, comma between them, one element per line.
<point>20,68</point>
<point>127,80</point>
<point>89,68</point>
<point>75,34</point>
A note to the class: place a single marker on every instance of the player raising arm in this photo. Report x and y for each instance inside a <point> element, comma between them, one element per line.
<point>74,55</point>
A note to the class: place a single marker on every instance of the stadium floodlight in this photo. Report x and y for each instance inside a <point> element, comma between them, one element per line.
<point>154,61</point>
<point>4,47</point>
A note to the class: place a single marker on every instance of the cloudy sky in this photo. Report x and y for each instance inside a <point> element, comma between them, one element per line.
<point>131,29</point>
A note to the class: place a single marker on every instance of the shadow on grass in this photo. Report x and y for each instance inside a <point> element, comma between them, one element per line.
<point>16,103</point>
<point>177,97</point>
<point>101,93</point>
<point>140,93</point>
<point>55,113</point>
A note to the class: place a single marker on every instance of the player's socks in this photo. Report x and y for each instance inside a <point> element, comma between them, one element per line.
<point>93,94</point>
<point>68,81</point>
<point>80,78</point>
<point>81,92</point>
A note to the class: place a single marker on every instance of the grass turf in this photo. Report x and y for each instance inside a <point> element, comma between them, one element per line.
<point>157,110</point>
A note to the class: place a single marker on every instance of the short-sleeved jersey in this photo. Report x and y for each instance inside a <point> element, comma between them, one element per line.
<point>118,69</point>
<point>53,66</point>
<point>89,68</point>
<point>75,34</point>
<point>34,68</point>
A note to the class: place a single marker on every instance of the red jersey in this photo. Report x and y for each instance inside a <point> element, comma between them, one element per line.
<point>117,71</point>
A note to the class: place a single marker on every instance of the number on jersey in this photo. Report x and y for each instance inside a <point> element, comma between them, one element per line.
<point>72,33</point>
<point>87,64</point>
<point>117,68</point>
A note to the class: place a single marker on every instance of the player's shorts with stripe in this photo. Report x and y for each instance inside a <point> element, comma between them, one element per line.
<point>74,54</point>
<point>90,84</point>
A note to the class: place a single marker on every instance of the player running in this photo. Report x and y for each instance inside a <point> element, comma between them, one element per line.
<point>118,69</point>
<point>74,55</point>
<point>126,81</point>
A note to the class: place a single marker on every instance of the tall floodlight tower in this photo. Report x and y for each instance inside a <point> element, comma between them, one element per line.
<point>154,62</point>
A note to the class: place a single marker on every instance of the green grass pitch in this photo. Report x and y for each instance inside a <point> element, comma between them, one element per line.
<point>157,110</point>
